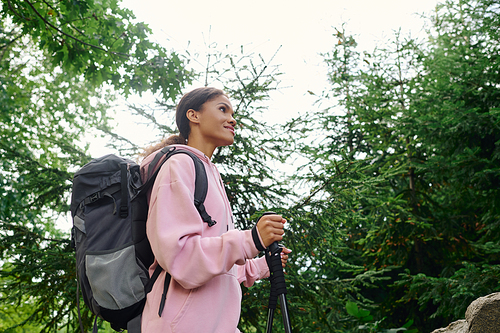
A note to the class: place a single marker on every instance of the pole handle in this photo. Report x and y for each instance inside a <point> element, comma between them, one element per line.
<point>278,285</point>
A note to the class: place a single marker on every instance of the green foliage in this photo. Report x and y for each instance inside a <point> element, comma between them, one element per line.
<point>361,314</point>
<point>451,295</point>
<point>44,271</point>
<point>365,317</point>
<point>61,64</point>
<point>416,124</point>
<point>100,41</point>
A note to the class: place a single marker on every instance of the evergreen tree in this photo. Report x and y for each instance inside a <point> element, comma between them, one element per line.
<point>61,64</point>
<point>458,114</point>
<point>417,136</point>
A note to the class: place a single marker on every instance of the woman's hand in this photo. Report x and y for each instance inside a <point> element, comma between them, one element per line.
<point>270,229</point>
<point>284,256</point>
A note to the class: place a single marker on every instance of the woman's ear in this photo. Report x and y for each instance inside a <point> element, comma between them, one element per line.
<point>193,116</point>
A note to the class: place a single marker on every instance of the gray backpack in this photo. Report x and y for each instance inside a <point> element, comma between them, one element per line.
<point>109,209</point>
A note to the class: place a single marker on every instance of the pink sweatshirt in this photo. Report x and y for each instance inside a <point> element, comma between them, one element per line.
<point>207,264</point>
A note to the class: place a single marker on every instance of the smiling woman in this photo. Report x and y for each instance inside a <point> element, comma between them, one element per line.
<point>193,103</point>
<point>202,264</point>
<point>212,126</point>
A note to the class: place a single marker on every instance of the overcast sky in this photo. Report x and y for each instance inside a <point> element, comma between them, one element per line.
<point>301,30</point>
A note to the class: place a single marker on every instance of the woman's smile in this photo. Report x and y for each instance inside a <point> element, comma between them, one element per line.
<point>214,123</point>
<point>231,128</point>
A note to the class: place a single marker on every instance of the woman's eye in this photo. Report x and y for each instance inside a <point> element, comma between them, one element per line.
<point>222,108</point>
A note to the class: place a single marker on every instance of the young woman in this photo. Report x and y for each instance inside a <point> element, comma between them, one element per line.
<point>207,263</point>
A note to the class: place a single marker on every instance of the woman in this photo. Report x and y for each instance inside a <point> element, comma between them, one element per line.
<point>207,264</point>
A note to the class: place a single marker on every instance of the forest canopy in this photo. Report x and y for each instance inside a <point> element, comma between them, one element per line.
<point>396,219</point>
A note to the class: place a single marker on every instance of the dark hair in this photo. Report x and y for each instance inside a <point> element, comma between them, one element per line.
<point>191,100</point>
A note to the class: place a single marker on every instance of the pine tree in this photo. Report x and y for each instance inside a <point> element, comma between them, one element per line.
<point>61,65</point>
<point>412,143</point>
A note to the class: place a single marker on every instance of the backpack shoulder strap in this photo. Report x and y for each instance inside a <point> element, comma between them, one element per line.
<point>200,193</point>
<point>201,180</point>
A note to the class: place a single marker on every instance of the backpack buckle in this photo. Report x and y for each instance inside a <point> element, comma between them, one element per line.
<point>94,197</point>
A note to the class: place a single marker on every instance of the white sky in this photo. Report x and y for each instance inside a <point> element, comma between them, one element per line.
<point>303,30</point>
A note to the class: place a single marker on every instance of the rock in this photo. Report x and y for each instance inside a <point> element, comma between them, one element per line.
<point>483,315</point>
<point>459,326</point>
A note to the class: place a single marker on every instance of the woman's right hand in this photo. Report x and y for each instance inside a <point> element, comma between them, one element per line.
<point>271,228</point>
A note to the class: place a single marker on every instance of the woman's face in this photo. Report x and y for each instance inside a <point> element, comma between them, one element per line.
<point>216,121</point>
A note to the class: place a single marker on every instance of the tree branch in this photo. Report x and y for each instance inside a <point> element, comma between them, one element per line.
<point>48,5</point>
<point>149,116</point>
<point>116,137</point>
<point>6,46</point>
<point>255,79</point>
<point>16,13</point>
<point>70,36</point>
<point>26,231</point>
<point>327,182</point>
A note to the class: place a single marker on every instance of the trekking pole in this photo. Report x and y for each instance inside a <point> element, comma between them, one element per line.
<point>278,287</point>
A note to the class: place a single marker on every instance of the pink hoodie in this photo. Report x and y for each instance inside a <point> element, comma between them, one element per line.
<point>207,264</point>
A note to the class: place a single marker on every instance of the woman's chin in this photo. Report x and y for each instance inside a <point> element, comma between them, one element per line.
<point>228,143</point>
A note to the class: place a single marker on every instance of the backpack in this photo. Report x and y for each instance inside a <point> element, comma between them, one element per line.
<point>109,208</point>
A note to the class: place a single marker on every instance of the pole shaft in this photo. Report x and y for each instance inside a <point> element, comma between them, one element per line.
<point>284,312</point>
<point>270,321</point>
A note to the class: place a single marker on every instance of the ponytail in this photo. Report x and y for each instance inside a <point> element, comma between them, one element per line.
<point>171,140</point>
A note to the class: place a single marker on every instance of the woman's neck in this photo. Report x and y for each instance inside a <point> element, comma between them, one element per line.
<point>202,146</point>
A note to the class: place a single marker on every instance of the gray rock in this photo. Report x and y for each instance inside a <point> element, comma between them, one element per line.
<point>483,315</point>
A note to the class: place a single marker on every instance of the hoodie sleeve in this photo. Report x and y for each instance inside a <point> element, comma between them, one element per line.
<point>252,270</point>
<point>175,230</point>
